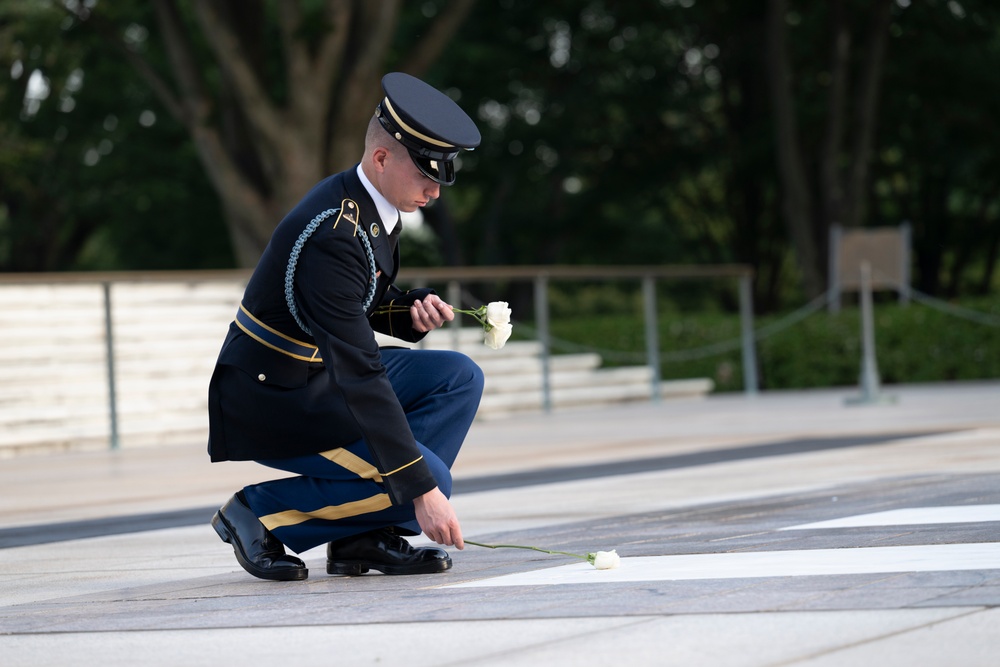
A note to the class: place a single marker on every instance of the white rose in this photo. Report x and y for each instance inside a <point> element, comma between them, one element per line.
<point>498,335</point>
<point>605,560</point>
<point>497,312</point>
<point>498,326</point>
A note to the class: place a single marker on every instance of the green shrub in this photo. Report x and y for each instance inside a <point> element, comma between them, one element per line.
<point>914,343</point>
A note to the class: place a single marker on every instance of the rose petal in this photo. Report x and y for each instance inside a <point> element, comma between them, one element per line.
<point>497,312</point>
<point>497,336</point>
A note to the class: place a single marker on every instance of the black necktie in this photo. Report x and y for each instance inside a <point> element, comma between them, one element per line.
<point>394,234</point>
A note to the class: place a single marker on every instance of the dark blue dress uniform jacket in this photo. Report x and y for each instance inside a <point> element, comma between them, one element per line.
<point>266,404</point>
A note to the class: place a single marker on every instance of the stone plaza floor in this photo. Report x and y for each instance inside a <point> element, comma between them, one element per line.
<point>787,528</point>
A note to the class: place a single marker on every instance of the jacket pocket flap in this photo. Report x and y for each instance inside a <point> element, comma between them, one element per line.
<point>265,365</point>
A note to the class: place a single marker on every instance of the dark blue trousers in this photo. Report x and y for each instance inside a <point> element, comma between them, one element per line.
<point>337,493</point>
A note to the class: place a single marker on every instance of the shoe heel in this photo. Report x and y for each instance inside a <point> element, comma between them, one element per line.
<point>220,528</point>
<point>347,569</point>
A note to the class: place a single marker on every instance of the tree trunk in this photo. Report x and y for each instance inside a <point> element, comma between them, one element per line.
<point>263,151</point>
<point>985,234</point>
<point>930,233</point>
<point>866,114</point>
<point>796,201</point>
<point>831,183</point>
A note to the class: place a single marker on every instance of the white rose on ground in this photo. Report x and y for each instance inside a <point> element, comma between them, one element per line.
<point>605,560</point>
<point>498,335</point>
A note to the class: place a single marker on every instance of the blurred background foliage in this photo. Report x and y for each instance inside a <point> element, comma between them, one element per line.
<point>914,343</point>
<point>172,134</point>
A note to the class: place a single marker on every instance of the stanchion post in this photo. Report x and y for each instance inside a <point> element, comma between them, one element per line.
<point>542,319</point>
<point>109,341</point>
<point>870,381</point>
<point>750,382</point>
<point>652,334</point>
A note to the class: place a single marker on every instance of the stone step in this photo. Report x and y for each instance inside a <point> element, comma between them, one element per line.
<point>527,382</point>
<point>95,434</point>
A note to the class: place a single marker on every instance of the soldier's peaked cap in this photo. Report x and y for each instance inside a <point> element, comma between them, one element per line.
<point>428,123</point>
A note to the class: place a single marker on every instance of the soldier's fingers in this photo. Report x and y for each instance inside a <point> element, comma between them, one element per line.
<point>445,310</point>
<point>419,317</point>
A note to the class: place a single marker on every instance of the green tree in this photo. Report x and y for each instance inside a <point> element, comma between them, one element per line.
<point>273,95</point>
<point>660,131</point>
<point>711,131</point>
<point>89,178</point>
<point>937,164</point>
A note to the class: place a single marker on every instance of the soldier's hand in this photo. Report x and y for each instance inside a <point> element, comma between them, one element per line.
<point>430,313</point>
<point>437,519</point>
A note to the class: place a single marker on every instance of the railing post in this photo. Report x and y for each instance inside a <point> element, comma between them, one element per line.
<point>652,333</point>
<point>747,336</point>
<point>542,320</point>
<point>109,340</point>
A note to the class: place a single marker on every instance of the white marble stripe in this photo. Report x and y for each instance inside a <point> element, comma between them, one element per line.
<point>807,562</point>
<point>910,516</point>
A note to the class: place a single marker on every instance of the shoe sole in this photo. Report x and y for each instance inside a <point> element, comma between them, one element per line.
<point>225,534</point>
<point>354,568</point>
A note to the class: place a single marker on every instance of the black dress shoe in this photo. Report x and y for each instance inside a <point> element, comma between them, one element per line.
<point>257,550</point>
<point>384,551</point>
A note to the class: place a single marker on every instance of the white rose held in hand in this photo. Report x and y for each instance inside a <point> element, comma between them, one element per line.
<point>494,317</point>
<point>497,325</point>
<point>605,560</point>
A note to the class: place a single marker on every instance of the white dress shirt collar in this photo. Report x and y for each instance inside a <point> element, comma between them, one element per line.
<point>386,211</point>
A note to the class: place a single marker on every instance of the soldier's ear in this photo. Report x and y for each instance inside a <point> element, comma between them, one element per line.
<point>380,157</point>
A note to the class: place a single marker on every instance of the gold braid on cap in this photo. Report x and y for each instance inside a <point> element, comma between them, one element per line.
<point>413,132</point>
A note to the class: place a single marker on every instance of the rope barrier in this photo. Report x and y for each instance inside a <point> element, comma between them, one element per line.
<point>958,311</point>
<point>760,333</point>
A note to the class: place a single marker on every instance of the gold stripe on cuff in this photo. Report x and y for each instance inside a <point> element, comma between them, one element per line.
<point>403,467</point>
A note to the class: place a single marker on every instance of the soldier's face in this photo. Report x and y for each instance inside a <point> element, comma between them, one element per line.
<point>404,185</point>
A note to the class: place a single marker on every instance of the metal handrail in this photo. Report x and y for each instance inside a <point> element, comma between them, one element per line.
<point>539,275</point>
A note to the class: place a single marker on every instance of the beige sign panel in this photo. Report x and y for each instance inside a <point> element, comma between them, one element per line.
<point>885,251</point>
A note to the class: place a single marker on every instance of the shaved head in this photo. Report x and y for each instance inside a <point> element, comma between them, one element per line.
<point>377,137</point>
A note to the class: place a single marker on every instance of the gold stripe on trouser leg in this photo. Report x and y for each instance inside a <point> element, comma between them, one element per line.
<point>329,513</point>
<point>353,463</point>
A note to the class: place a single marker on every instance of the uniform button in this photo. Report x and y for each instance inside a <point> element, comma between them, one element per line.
<point>261,377</point>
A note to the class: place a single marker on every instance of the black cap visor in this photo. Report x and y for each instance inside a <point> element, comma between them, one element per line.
<point>436,165</point>
<point>439,171</point>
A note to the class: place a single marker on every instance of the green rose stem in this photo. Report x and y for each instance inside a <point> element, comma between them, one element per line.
<point>478,313</point>
<point>544,551</point>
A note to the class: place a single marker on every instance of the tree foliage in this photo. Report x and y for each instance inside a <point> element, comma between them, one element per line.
<point>660,131</point>
<point>92,173</point>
